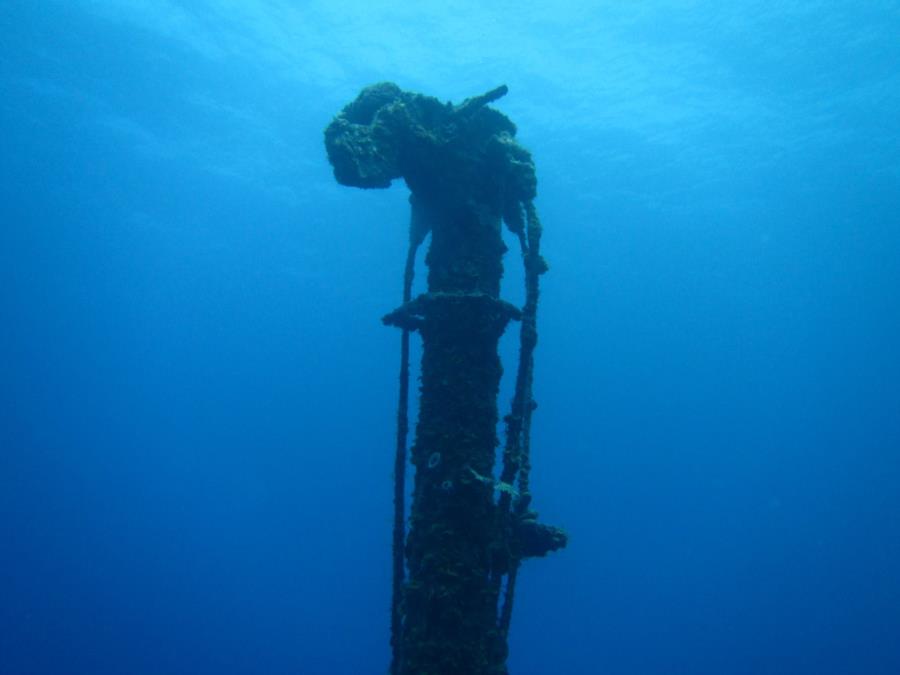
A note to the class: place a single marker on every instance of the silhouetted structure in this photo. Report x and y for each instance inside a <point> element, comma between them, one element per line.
<point>467,531</point>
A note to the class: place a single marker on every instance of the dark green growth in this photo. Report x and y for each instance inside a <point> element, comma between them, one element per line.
<point>468,532</point>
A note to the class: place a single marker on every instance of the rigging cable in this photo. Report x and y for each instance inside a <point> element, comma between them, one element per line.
<point>417,231</point>
<point>517,453</point>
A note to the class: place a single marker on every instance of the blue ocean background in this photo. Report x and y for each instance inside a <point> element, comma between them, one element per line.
<point>198,398</point>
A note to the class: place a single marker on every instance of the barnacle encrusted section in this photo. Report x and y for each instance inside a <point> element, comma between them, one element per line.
<point>450,623</point>
<point>450,606</point>
<point>460,153</point>
<point>467,176</point>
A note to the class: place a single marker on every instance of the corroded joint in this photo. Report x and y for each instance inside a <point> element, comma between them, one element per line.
<point>536,264</point>
<point>403,318</point>
<point>413,314</point>
<point>535,540</point>
<point>472,104</point>
<point>525,537</point>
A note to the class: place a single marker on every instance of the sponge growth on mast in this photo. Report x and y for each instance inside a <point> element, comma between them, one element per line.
<point>455,570</point>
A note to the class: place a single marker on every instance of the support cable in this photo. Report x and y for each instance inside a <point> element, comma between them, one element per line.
<point>517,453</point>
<point>417,232</point>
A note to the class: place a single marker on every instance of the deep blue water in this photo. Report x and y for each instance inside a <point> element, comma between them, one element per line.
<point>196,423</point>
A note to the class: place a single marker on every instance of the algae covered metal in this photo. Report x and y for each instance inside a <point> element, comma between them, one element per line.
<point>455,565</point>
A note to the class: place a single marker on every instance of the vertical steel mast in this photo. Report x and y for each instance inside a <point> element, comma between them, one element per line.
<point>467,531</point>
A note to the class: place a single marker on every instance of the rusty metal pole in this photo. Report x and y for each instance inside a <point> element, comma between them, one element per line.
<point>467,176</point>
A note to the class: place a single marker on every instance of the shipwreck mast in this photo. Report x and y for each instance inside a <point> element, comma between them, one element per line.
<point>467,531</point>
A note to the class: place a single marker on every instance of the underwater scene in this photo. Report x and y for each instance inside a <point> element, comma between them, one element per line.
<point>449,338</point>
